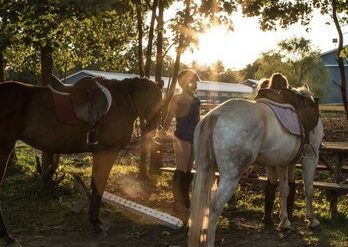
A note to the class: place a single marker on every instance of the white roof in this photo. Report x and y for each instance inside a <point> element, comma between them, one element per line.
<point>223,86</point>
<point>202,85</point>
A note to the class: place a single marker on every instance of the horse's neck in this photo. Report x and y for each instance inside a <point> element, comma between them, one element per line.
<point>121,90</point>
<point>316,135</point>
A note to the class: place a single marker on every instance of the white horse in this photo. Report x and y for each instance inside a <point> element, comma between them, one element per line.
<point>230,138</point>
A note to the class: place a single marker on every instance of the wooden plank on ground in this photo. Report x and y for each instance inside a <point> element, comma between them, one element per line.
<point>150,213</point>
<point>153,214</point>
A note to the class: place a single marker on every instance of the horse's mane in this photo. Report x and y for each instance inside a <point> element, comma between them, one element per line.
<point>138,80</point>
<point>131,83</point>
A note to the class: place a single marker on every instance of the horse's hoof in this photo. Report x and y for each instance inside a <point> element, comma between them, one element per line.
<point>285,225</point>
<point>100,228</point>
<point>288,230</point>
<point>14,244</point>
<point>10,241</point>
<point>314,224</point>
<point>268,223</point>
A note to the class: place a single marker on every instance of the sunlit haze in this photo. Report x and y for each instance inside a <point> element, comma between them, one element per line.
<point>245,44</point>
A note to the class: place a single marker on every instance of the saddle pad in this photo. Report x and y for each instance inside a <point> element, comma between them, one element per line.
<point>286,115</point>
<point>64,109</point>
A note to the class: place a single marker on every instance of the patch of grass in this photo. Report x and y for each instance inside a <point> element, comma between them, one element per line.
<point>31,212</point>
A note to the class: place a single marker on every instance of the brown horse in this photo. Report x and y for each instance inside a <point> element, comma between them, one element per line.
<point>27,113</point>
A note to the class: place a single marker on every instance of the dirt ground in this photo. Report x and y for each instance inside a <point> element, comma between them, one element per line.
<point>128,230</point>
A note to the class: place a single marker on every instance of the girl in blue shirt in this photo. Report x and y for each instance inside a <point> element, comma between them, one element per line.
<point>185,107</point>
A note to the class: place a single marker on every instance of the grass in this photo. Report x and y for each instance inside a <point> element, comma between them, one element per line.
<point>36,213</point>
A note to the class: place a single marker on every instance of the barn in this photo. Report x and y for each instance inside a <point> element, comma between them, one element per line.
<point>214,92</point>
<point>329,60</point>
<point>251,83</point>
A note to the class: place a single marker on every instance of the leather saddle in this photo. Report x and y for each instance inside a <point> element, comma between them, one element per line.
<point>90,101</point>
<point>306,109</point>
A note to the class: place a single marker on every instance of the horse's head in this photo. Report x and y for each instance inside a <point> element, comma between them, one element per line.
<point>305,91</point>
<point>148,102</point>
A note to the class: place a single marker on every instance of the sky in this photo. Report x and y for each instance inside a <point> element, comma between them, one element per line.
<point>246,43</point>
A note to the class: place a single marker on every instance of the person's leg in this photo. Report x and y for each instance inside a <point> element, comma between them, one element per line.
<point>270,191</point>
<point>180,188</point>
<point>292,191</point>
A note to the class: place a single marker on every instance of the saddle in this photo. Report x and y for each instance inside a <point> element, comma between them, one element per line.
<point>90,101</point>
<point>306,109</point>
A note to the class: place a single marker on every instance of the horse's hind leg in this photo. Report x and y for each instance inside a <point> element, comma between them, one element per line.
<point>5,152</point>
<point>308,169</point>
<point>224,193</point>
<point>102,163</point>
<point>284,191</point>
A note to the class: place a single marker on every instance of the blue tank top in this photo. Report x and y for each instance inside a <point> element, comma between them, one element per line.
<point>185,125</point>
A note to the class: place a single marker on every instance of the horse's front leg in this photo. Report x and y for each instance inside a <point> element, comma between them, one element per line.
<point>102,163</point>
<point>284,191</point>
<point>6,148</point>
<point>309,166</point>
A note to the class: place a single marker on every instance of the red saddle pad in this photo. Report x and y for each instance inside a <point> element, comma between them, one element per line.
<point>64,109</point>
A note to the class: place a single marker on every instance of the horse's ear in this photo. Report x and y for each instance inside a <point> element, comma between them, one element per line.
<point>160,84</point>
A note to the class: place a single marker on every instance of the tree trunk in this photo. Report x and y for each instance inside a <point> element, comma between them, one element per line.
<point>143,141</point>
<point>179,51</point>
<point>156,150</point>
<point>150,40</point>
<point>2,66</point>
<point>340,59</point>
<point>159,54</point>
<point>49,162</point>
<point>140,39</point>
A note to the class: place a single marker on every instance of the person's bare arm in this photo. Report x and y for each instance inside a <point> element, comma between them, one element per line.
<point>170,114</point>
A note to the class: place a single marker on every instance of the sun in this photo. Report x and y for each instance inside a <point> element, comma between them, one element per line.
<point>218,44</point>
<point>212,45</point>
<point>234,49</point>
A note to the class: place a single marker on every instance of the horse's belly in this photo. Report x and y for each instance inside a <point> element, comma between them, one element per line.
<point>278,155</point>
<point>56,146</point>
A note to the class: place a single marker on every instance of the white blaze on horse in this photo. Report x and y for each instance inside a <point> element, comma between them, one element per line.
<point>230,138</point>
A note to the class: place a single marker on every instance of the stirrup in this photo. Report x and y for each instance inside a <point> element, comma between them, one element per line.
<point>92,140</point>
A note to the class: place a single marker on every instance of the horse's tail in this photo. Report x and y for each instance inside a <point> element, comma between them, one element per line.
<point>205,165</point>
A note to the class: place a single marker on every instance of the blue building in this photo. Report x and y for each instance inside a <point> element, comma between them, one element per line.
<point>329,60</point>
